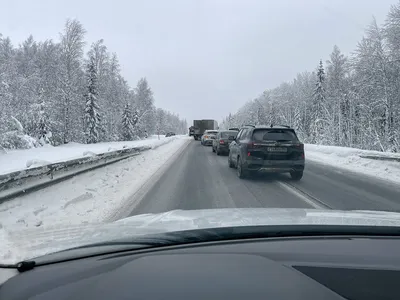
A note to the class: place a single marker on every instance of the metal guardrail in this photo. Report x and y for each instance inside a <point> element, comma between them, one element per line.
<point>379,157</point>
<point>25,181</point>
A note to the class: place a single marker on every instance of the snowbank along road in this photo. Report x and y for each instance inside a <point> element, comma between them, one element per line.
<point>96,196</point>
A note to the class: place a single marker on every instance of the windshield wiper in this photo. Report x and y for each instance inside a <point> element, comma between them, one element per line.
<point>189,237</point>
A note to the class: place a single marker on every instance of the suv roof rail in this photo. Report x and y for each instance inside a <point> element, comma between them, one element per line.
<point>249,125</point>
<point>285,126</point>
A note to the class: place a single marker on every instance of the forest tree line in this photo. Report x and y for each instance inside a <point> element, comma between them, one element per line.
<point>351,101</point>
<point>52,92</point>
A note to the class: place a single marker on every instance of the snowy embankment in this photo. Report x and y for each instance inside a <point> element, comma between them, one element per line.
<point>93,197</point>
<point>17,160</point>
<point>351,160</point>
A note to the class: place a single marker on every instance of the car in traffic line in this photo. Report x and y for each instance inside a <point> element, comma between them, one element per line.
<point>274,149</point>
<point>222,140</point>
<point>169,134</point>
<point>208,137</point>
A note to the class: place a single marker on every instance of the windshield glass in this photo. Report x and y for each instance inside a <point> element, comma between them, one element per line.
<point>110,112</point>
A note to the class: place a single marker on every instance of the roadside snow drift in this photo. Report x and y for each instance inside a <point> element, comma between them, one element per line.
<point>16,160</point>
<point>349,159</point>
<point>91,197</point>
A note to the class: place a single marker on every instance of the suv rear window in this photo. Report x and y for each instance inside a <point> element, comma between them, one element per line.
<point>227,134</point>
<point>274,135</point>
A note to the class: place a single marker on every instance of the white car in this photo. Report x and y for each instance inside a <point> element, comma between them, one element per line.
<point>208,137</point>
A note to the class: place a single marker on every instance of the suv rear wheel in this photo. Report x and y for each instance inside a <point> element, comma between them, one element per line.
<point>230,163</point>
<point>296,175</point>
<point>241,173</point>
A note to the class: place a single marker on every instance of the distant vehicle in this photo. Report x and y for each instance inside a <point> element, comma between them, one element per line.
<point>191,131</point>
<point>170,134</point>
<point>234,129</point>
<point>267,149</point>
<point>222,141</point>
<point>208,137</point>
<point>199,126</point>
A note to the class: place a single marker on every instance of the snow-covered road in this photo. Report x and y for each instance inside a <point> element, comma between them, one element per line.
<point>92,197</point>
<point>128,188</point>
<point>103,194</point>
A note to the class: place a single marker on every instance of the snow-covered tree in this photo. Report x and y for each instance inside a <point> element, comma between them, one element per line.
<point>144,106</point>
<point>375,86</point>
<point>71,77</point>
<point>392,34</point>
<point>127,123</point>
<point>92,114</point>
<point>355,104</point>
<point>338,101</point>
<point>43,131</point>
<point>42,85</point>
<point>318,107</point>
<point>161,121</point>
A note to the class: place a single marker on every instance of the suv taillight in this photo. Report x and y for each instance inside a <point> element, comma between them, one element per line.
<point>300,146</point>
<point>221,142</point>
<point>251,146</point>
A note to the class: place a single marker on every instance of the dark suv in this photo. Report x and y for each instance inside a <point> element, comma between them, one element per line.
<point>267,149</point>
<point>222,141</point>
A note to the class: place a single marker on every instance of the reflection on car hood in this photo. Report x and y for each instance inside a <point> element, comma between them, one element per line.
<point>39,241</point>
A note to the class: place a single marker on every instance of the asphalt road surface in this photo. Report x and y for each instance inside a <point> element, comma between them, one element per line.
<point>199,179</point>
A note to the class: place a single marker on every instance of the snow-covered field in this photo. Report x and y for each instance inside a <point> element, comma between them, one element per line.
<point>91,197</point>
<point>349,159</point>
<point>16,160</point>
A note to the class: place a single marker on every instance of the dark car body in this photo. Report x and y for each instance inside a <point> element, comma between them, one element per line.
<point>274,149</point>
<point>223,139</point>
<point>170,134</point>
<point>191,131</point>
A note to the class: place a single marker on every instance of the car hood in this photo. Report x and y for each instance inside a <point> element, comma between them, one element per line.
<point>30,243</point>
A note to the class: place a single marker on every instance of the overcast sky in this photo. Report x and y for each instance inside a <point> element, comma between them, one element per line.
<point>204,58</point>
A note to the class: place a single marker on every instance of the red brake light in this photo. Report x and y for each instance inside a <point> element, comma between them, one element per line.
<point>250,146</point>
<point>300,146</point>
<point>221,142</point>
